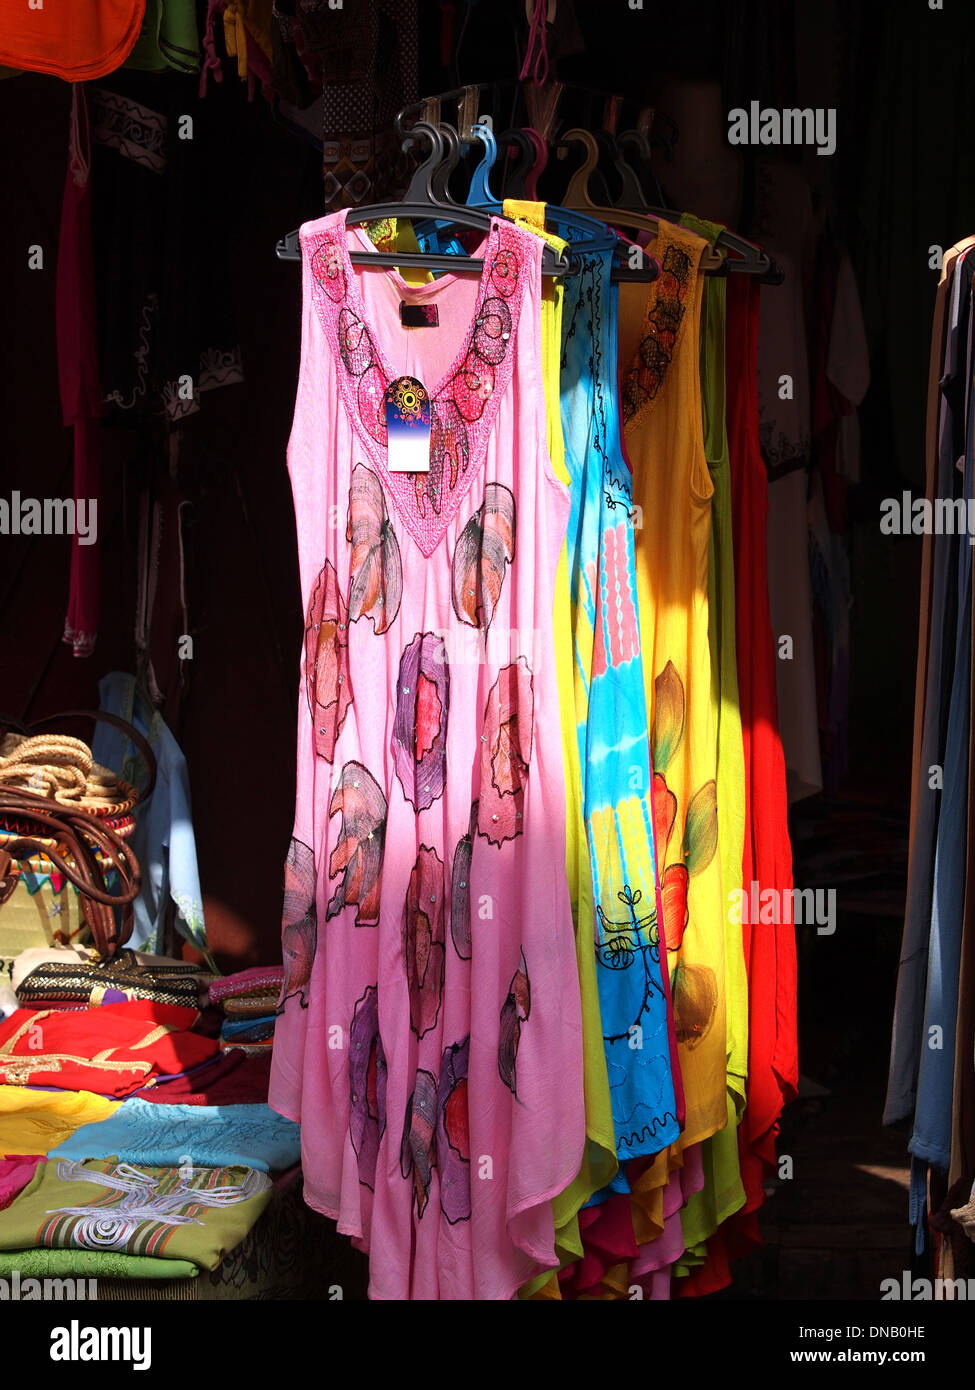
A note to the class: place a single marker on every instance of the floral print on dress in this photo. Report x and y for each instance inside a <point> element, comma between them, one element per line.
<point>506,750</point>
<point>454,1134</point>
<point>484,550</point>
<point>645,378</point>
<point>367,1085</point>
<point>460,890</point>
<point>423,939</point>
<point>327,661</point>
<point>420,722</point>
<point>514,1012</point>
<point>299,923</point>
<point>418,1151</point>
<point>358,854</point>
<point>693,987</point>
<point>376,573</point>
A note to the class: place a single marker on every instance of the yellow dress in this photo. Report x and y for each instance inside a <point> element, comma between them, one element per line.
<point>723,1192</point>
<point>662,414</point>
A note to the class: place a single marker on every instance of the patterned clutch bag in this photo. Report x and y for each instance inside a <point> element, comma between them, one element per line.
<point>90,983</point>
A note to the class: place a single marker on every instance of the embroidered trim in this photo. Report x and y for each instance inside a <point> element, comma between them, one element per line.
<point>659,344</point>
<point>462,407</point>
<point>136,131</point>
<point>147,318</point>
<point>780,453</point>
<point>131,1197</point>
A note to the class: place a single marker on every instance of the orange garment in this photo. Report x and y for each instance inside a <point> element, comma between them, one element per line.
<point>75,41</point>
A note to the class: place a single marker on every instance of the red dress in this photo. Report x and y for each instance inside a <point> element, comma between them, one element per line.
<point>770,953</point>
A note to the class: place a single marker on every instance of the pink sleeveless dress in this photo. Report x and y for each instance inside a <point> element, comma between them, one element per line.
<point>429,1037</point>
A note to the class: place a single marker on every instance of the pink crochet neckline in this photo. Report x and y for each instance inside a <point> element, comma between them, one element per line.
<point>463,405</point>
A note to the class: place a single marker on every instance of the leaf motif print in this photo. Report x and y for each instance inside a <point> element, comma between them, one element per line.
<point>420,721</point>
<point>664,815</point>
<point>367,1085</point>
<point>376,573</point>
<point>460,890</point>
<point>695,999</point>
<point>701,828</point>
<point>359,849</point>
<point>299,923</point>
<point>673,898</point>
<point>423,940</point>
<point>506,748</point>
<point>484,549</point>
<point>514,1012</point>
<point>418,1151</point>
<point>327,681</point>
<point>668,719</point>
<point>453,1133</point>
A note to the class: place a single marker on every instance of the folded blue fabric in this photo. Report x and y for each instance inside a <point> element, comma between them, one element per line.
<point>253,1028</point>
<point>206,1136</point>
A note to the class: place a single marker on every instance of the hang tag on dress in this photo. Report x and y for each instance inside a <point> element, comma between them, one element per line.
<point>407,407</point>
<point>419,315</point>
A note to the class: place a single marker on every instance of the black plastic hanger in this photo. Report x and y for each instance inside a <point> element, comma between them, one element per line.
<point>421,201</point>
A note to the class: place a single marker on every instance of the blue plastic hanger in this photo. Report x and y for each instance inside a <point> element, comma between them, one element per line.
<point>479,194</point>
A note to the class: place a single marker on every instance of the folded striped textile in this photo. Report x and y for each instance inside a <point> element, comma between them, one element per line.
<point>249,1029</point>
<point>260,980</point>
<point>252,1006</point>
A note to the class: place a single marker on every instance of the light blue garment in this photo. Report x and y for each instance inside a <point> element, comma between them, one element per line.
<point>163,840</point>
<point>201,1136</point>
<point>931,1140</point>
<point>614,747</point>
<point>907,1039</point>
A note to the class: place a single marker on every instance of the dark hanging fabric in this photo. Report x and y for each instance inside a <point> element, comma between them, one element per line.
<point>166,328</point>
<point>362,60</point>
<point>915,189</point>
<point>759,54</point>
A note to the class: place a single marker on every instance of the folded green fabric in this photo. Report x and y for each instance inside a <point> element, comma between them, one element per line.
<point>192,1215</point>
<point>91,1264</point>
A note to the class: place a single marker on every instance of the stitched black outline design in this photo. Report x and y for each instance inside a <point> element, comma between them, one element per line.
<point>299,923</point>
<point>327,662</point>
<point>423,780</point>
<point>424,943</point>
<point>366,1129</point>
<point>502,806</point>
<point>360,845</point>
<point>376,569</point>
<point>484,549</point>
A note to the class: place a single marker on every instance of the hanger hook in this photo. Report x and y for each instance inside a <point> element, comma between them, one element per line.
<point>578,136</point>
<point>420,183</point>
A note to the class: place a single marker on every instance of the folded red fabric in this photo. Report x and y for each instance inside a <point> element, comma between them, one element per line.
<point>112,1051</point>
<point>232,1078</point>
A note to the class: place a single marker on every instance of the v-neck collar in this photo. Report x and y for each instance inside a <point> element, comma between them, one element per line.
<point>464,403</point>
